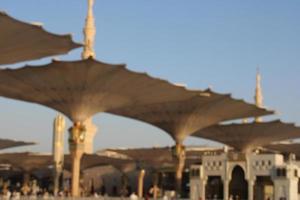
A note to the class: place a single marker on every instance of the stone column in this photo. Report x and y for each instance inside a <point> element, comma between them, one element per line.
<point>249,175</point>
<point>76,144</point>
<point>179,155</point>
<point>251,184</point>
<point>226,177</point>
<point>226,188</point>
<point>141,183</point>
<point>202,188</point>
<point>286,187</point>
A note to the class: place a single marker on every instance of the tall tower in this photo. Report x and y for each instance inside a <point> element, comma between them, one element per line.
<point>258,94</point>
<point>89,32</point>
<point>58,149</point>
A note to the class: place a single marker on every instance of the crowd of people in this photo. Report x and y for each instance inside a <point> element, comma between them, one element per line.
<point>32,189</point>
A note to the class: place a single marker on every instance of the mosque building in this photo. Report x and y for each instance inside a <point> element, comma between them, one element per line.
<point>248,171</point>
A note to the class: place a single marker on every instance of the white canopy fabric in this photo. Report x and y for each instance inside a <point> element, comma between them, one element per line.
<point>26,161</point>
<point>247,136</point>
<point>6,143</point>
<point>182,118</point>
<point>80,89</point>
<point>21,41</point>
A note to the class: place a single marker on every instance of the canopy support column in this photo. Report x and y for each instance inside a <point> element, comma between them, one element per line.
<point>76,145</point>
<point>141,183</point>
<point>155,185</point>
<point>179,155</point>
<point>124,185</point>
<point>26,179</point>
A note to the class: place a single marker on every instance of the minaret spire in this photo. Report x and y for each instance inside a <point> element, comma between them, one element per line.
<point>258,94</point>
<point>89,32</point>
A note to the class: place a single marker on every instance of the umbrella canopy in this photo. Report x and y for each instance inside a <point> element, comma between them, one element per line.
<point>247,136</point>
<point>93,160</point>
<point>6,143</point>
<point>26,161</point>
<point>182,118</point>
<point>285,148</point>
<point>21,41</point>
<point>80,89</point>
<point>161,157</point>
<point>41,173</point>
<point>145,157</point>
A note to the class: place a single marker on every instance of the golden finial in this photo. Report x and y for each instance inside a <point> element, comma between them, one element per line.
<point>89,32</point>
<point>258,94</point>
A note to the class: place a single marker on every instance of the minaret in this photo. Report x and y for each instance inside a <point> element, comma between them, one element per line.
<point>89,32</point>
<point>258,94</point>
<point>58,149</point>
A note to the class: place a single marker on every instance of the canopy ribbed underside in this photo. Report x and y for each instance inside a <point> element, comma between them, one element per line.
<point>93,160</point>
<point>21,41</point>
<point>249,135</point>
<point>161,157</point>
<point>80,89</point>
<point>151,155</point>
<point>182,118</point>
<point>26,161</point>
<point>288,148</point>
<point>5,143</point>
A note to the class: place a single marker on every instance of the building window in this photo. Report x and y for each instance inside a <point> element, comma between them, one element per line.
<point>195,172</point>
<point>278,172</point>
<point>281,172</point>
<point>269,162</point>
<point>284,172</point>
<point>198,172</point>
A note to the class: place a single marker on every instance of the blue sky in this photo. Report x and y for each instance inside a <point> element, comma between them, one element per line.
<point>199,43</point>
